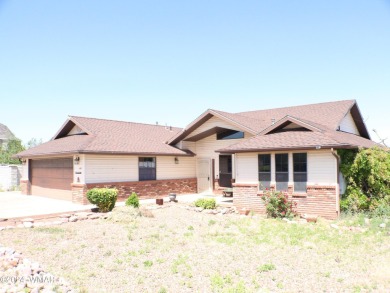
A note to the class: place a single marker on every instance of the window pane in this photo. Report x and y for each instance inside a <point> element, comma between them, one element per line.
<point>300,172</point>
<point>281,161</point>
<point>230,134</point>
<point>264,163</point>
<point>264,171</point>
<point>281,174</point>
<point>147,168</point>
<point>300,162</point>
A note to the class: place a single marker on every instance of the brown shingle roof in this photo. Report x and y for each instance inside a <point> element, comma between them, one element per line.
<point>327,114</point>
<point>299,140</point>
<point>323,115</point>
<point>108,136</point>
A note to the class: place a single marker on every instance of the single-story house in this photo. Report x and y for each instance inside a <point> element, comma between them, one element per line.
<point>289,149</point>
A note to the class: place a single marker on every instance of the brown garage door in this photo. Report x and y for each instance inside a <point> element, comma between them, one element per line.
<point>52,178</point>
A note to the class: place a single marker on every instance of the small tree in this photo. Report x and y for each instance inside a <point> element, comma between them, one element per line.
<point>11,148</point>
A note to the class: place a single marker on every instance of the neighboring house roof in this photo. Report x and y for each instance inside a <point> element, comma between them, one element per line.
<point>5,133</point>
<point>108,137</point>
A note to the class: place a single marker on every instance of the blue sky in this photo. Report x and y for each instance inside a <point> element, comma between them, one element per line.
<point>168,61</point>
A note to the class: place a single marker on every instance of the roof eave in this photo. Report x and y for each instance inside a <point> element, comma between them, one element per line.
<point>312,147</point>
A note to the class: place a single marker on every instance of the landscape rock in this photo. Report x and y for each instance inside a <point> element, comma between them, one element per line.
<point>14,265</point>
<point>28,220</point>
<point>28,224</point>
<point>367,221</point>
<point>94,216</point>
<point>334,226</point>
<point>383,225</point>
<point>73,219</point>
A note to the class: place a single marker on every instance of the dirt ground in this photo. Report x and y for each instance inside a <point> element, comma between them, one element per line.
<point>180,250</point>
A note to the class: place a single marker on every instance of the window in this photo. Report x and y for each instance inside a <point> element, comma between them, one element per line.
<point>147,169</point>
<point>300,172</point>
<point>265,171</point>
<point>230,134</point>
<point>281,172</point>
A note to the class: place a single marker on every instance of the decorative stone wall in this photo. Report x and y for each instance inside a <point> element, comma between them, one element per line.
<point>318,200</point>
<point>144,189</point>
<point>10,176</point>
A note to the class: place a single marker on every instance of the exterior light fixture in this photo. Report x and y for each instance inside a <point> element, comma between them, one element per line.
<point>77,160</point>
<point>176,160</point>
<point>318,147</point>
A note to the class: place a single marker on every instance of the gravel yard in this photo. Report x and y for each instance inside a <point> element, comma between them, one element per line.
<point>179,250</point>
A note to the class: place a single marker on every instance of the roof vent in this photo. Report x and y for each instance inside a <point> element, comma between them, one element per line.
<point>273,121</point>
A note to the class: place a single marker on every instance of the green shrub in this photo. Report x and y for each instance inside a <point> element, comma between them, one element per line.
<point>133,200</point>
<point>104,198</point>
<point>277,204</point>
<point>367,173</point>
<point>206,203</point>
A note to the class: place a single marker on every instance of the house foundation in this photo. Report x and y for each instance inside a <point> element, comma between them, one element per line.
<point>144,189</point>
<point>318,200</point>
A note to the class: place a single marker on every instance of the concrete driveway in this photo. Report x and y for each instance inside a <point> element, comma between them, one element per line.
<point>14,205</point>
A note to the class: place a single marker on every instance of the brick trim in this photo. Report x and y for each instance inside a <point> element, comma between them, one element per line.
<point>25,186</point>
<point>144,189</point>
<point>318,200</point>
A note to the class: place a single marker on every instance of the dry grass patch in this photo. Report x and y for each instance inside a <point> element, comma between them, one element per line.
<point>182,251</point>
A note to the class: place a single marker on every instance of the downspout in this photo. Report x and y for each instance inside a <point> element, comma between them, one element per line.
<point>338,159</point>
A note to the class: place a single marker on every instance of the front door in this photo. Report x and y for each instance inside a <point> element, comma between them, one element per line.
<point>203,175</point>
<point>225,171</point>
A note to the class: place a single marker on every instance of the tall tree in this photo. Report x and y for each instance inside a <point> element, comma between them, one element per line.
<point>33,143</point>
<point>12,147</point>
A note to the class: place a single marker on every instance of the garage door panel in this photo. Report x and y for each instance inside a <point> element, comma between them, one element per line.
<point>52,193</point>
<point>52,178</point>
<point>55,183</point>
